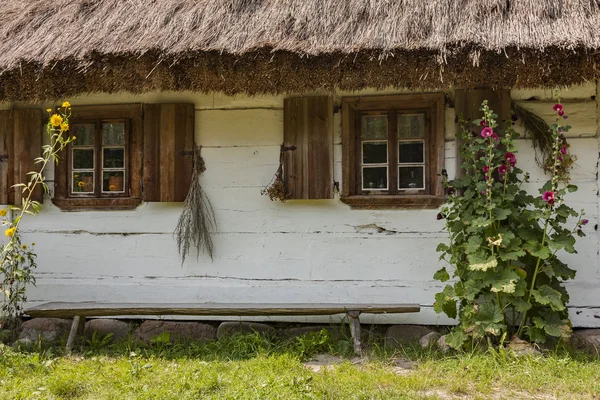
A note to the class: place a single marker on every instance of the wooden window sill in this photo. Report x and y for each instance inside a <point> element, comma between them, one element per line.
<point>394,201</point>
<point>106,204</point>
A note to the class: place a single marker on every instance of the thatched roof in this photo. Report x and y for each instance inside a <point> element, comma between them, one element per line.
<point>279,45</point>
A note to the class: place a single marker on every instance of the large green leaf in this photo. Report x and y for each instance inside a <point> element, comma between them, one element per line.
<point>505,281</point>
<point>564,241</point>
<point>473,244</point>
<point>536,249</point>
<point>502,213</point>
<point>520,304</point>
<point>441,275</point>
<point>456,339</point>
<point>547,296</point>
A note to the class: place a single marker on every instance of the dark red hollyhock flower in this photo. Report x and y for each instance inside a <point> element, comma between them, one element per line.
<point>482,123</point>
<point>485,169</point>
<point>563,150</point>
<point>486,132</point>
<point>561,113</point>
<point>440,216</point>
<point>450,190</point>
<point>584,222</point>
<point>548,197</point>
<point>557,107</point>
<point>495,137</point>
<point>502,169</point>
<point>511,158</point>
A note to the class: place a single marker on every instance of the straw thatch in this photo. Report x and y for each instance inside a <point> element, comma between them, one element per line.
<point>259,46</point>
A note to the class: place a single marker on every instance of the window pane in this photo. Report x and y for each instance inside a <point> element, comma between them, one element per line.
<point>113,181</point>
<point>113,158</point>
<point>374,127</point>
<point>113,134</point>
<point>375,153</point>
<point>83,158</point>
<point>410,152</point>
<point>375,178</point>
<point>84,134</point>
<point>411,177</point>
<point>83,182</point>
<point>411,126</point>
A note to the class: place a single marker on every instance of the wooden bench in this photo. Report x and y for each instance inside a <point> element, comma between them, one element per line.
<point>79,312</point>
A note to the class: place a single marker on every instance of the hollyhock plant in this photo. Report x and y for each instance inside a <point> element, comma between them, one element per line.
<point>501,241</point>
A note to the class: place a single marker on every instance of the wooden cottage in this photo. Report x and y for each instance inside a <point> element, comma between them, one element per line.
<point>315,84</point>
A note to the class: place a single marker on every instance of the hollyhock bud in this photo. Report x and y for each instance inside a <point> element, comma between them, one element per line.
<point>584,221</point>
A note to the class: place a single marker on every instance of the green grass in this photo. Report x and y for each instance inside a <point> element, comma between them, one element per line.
<point>254,367</point>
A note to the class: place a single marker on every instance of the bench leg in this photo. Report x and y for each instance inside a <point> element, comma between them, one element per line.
<point>355,331</point>
<point>76,329</point>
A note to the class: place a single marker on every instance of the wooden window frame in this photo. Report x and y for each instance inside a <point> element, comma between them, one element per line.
<point>433,105</point>
<point>131,115</point>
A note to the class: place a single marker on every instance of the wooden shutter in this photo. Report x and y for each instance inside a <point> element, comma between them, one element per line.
<point>308,147</point>
<point>468,102</point>
<point>168,146</point>
<point>20,145</point>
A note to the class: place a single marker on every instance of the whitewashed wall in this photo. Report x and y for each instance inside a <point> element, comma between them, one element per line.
<point>300,251</point>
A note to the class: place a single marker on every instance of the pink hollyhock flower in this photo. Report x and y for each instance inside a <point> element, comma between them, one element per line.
<point>557,107</point>
<point>560,159</point>
<point>502,169</point>
<point>548,197</point>
<point>485,169</point>
<point>563,150</point>
<point>511,158</point>
<point>483,192</point>
<point>487,132</point>
<point>495,137</point>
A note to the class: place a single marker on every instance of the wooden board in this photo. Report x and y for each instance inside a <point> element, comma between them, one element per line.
<point>96,309</point>
<point>6,134</point>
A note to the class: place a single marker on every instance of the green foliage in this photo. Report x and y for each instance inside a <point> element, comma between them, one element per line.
<point>17,261</point>
<point>504,243</point>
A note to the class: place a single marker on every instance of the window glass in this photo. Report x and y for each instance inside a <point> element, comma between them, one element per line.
<point>83,182</point>
<point>113,181</point>
<point>375,178</point>
<point>411,152</point>
<point>83,158</point>
<point>84,134</point>
<point>374,127</point>
<point>375,152</point>
<point>411,177</point>
<point>113,157</point>
<point>113,134</point>
<point>411,126</point>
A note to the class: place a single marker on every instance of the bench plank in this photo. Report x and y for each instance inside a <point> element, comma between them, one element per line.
<point>97,309</point>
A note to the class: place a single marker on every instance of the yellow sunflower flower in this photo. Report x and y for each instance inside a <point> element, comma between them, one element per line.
<point>10,232</point>
<point>64,126</point>
<point>66,104</point>
<point>3,212</point>
<point>80,184</point>
<point>112,188</point>
<point>56,120</point>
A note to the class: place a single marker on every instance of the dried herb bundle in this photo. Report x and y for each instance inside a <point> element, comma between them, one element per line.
<point>540,134</point>
<point>197,218</point>
<point>276,188</point>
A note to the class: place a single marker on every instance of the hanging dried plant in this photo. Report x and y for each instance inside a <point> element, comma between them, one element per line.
<point>197,219</point>
<point>276,190</point>
<point>540,134</point>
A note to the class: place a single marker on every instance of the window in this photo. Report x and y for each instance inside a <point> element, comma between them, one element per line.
<point>393,150</point>
<point>102,168</point>
<point>98,159</point>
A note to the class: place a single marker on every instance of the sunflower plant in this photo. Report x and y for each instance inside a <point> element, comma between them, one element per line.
<point>504,243</point>
<point>17,260</point>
